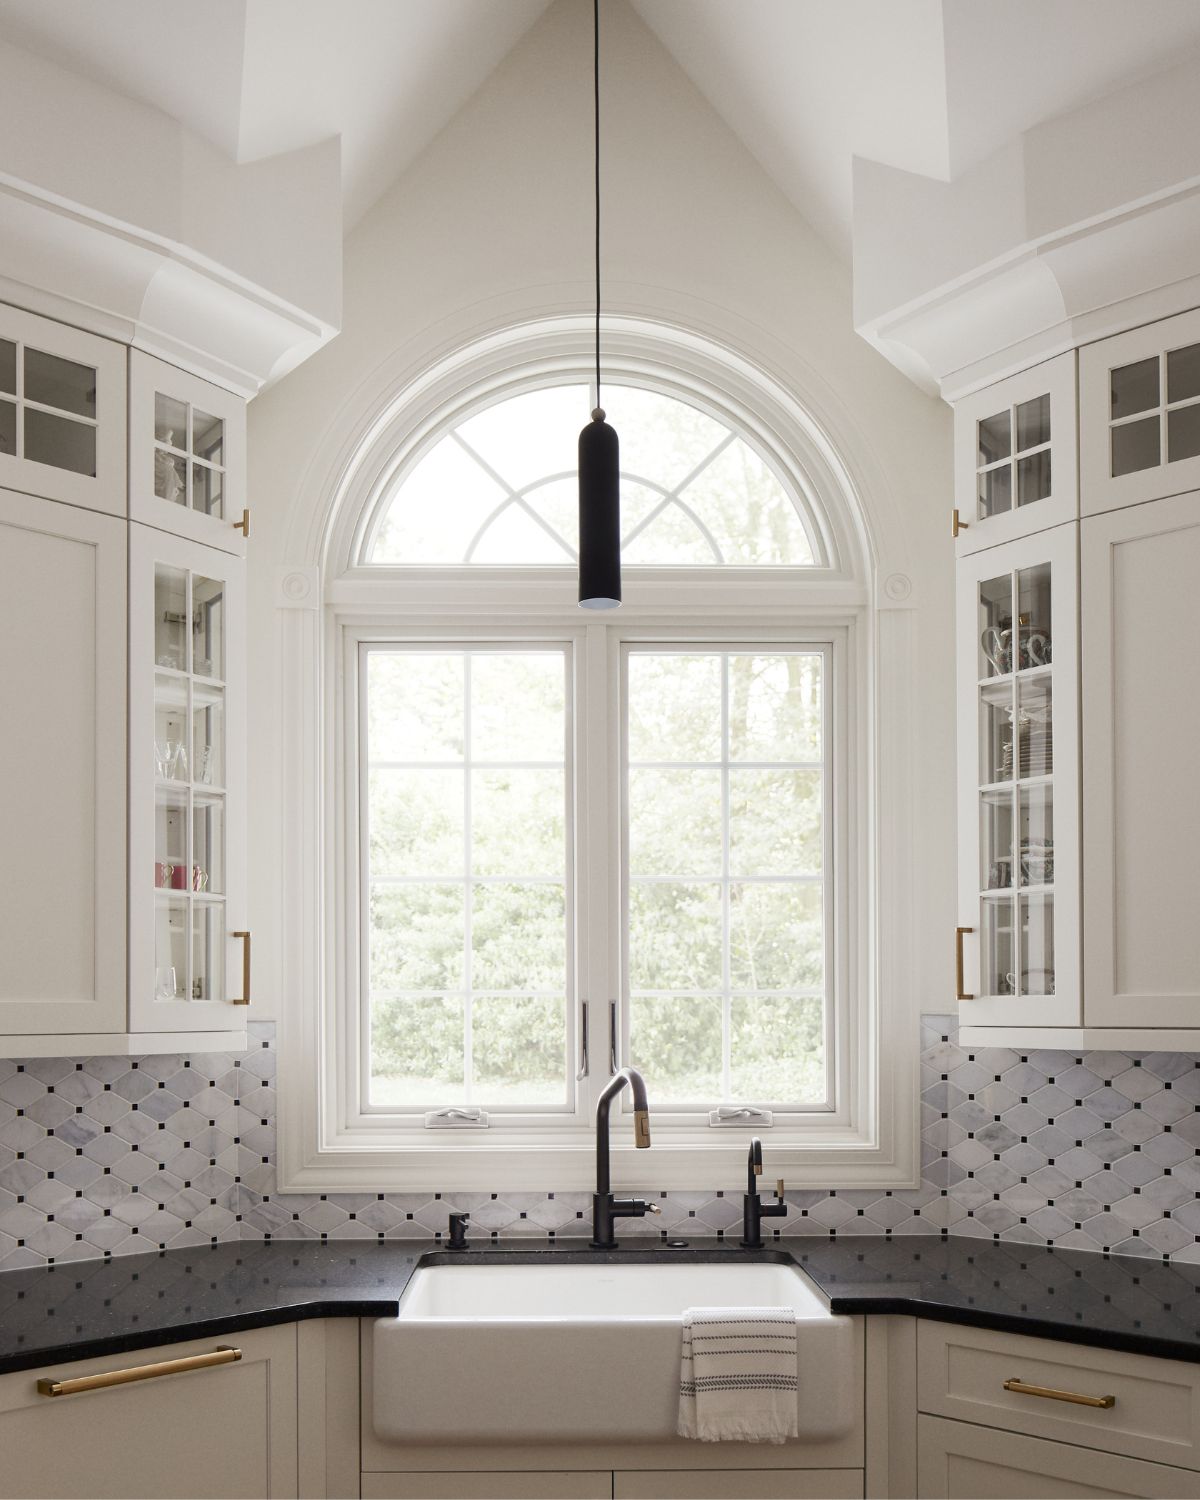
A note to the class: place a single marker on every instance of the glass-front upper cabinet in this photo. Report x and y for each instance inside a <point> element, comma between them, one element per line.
<point>1018,941</point>
<point>62,413</point>
<point>1139,404</point>
<point>187,907</point>
<point>1014,456</point>
<point>187,455</point>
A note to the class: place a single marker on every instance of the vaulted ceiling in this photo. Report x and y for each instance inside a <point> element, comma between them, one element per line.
<point>931,86</point>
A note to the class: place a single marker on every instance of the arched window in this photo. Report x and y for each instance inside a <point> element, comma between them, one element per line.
<point>563,841</point>
<point>499,488</point>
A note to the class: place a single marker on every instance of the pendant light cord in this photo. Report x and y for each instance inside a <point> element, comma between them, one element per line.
<point>596,93</point>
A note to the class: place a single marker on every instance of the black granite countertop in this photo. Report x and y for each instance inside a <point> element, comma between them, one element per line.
<point>87,1308</point>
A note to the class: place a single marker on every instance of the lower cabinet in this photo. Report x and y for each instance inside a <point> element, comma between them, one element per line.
<point>528,1484</point>
<point>218,1429</point>
<point>960,1461</point>
<point>620,1484</point>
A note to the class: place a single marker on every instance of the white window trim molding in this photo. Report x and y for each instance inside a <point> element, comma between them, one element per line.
<point>880,1147</point>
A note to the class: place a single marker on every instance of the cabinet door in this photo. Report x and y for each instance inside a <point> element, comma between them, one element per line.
<point>187,454</point>
<point>1139,415</point>
<point>552,1484</point>
<point>62,412</point>
<point>224,1430</point>
<point>738,1484</point>
<point>958,1461</point>
<point>62,768</point>
<point>1014,456</point>
<point>1018,749</point>
<point>1141,719</point>
<point>187,777</point>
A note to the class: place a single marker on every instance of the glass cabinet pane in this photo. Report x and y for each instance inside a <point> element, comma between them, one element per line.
<point>170,477</point>
<point>1037,835</point>
<point>207,493</point>
<point>1037,945</point>
<point>996,733</point>
<point>996,841</point>
<point>170,421</point>
<point>1134,387</point>
<point>208,437</point>
<point>999,961</point>
<point>61,383</point>
<point>1183,373</point>
<point>995,626</point>
<point>8,427</point>
<point>170,948</point>
<point>1033,477</point>
<point>208,735</point>
<point>208,843</point>
<point>1033,618</point>
<point>170,618</point>
<point>1183,433</point>
<point>170,728</point>
<point>1035,704</point>
<point>1135,446</point>
<point>60,442</point>
<point>1033,423</point>
<point>995,438</point>
<point>8,367</point>
<point>208,627</point>
<point>208,951</point>
<point>995,491</point>
<point>170,839</point>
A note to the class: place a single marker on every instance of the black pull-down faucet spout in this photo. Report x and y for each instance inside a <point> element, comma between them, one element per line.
<point>605,1208</point>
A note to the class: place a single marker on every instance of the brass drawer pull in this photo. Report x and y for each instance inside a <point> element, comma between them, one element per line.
<point>244,997</point>
<point>221,1356</point>
<point>959,934</point>
<point>1020,1388</point>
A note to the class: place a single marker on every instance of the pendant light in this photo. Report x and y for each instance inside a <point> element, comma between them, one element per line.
<point>599,459</point>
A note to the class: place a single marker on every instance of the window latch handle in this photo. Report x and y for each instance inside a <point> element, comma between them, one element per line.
<point>585,1065</point>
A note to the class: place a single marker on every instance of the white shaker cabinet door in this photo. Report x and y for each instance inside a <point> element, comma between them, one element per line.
<point>62,768</point>
<point>1140,598</point>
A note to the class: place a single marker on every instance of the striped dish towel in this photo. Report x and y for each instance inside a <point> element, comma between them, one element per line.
<point>737,1378</point>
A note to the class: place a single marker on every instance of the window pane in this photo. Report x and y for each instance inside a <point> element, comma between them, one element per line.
<point>517,823</point>
<point>674,822</point>
<point>675,935</point>
<point>417,937</point>
<point>518,937</point>
<point>517,1044</point>
<point>518,706</point>
<point>674,707</point>
<point>491,952</point>
<point>415,704</point>
<point>749,514</point>
<point>416,822</point>
<point>775,822</point>
<point>417,1051</point>
<point>479,493</point>
<point>775,707</point>
<point>775,940</point>
<point>677,1040</point>
<point>778,1049</point>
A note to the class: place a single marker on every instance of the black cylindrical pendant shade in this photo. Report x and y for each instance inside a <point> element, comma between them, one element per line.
<point>599,516</point>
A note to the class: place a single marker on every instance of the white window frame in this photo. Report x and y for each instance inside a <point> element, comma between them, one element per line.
<point>871,1139</point>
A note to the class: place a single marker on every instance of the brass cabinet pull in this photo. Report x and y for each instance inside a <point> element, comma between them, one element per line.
<point>1020,1388</point>
<point>244,524</point>
<point>222,1356</point>
<point>244,999</point>
<point>958,524</point>
<point>959,933</point>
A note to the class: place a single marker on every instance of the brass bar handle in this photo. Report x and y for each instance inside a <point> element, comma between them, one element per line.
<point>244,999</point>
<point>244,524</point>
<point>958,524</point>
<point>1021,1388</point>
<point>222,1356</point>
<point>959,933</point>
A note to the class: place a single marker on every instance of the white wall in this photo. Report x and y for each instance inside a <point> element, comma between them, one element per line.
<point>491,226</point>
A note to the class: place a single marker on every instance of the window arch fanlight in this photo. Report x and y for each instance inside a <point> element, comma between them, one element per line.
<point>494,485</point>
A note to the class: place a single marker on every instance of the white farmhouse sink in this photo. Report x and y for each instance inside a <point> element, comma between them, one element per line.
<point>562,1352</point>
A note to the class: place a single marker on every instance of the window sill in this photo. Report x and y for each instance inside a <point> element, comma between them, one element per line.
<point>500,1165</point>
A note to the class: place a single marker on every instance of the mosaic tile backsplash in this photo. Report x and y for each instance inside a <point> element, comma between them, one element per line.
<point>111,1156</point>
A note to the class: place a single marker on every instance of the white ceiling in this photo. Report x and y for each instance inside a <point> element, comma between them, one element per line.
<point>931,86</point>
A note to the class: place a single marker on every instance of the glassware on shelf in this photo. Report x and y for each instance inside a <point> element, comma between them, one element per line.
<point>166,985</point>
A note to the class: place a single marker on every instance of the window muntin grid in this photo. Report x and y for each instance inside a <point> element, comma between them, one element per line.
<point>499,489</point>
<point>1013,463</point>
<point>47,408</point>
<point>728,914</point>
<point>1154,411</point>
<point>189,456</point>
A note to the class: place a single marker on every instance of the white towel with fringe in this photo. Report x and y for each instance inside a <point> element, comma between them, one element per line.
<point>737,1379</point>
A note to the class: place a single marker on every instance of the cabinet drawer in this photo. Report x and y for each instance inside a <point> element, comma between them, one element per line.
<point>1155,1414</point>
<point>959,1461</point>
<point>553,1484</point>
<point>738,1484</point>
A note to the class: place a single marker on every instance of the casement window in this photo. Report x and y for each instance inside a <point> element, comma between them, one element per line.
<point>560,843</point>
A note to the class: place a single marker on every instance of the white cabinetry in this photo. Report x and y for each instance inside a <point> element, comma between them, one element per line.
<point>62,413</point>
<point>187,455</point>
<point>187,713</point>
<point>1014,457</point>
<point>225,1427</point>
<point>62,770</point>
<point>123,879</point>
<point>1109,957</point>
